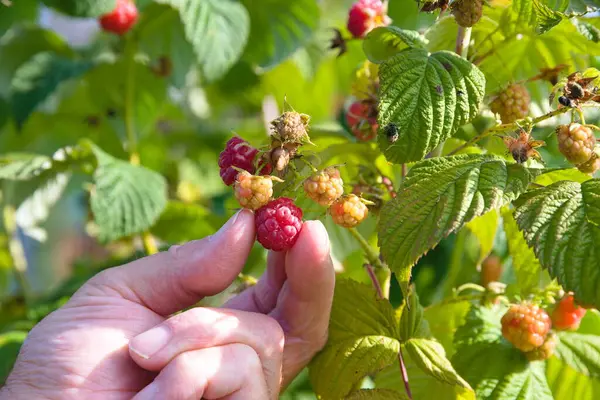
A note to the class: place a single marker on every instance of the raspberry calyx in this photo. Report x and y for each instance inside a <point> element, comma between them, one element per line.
<point>467,12</point>
<point>291,127</point>
<point>348,211</point>
<point>278,224</point>
<point>526,326</point>
<point>324,187</point>
<point>121,19</point>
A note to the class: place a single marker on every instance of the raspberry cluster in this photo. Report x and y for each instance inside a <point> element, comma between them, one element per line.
<point>324,187</point>
<point>567,315</point>
<point>467,12</point>
<point>252,191</point>
<point>348,211</point>
<point>526,326</point>
<point>366,15</point>
<point>511,104</point>
<point>121,19</point>
<point>239,155</point>
<point>576,142</point>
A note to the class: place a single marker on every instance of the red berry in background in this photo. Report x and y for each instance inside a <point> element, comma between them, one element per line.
<point>491,270</point>
<point>526,326</point>
<point>278,224</point>
<point>121,19</point>
<point>567,315</point>
<point>240,154</point>
<point>366,15</point>
<point>361,118</point>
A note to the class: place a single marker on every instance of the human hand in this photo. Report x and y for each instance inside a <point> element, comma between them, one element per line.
<point>116,338</point>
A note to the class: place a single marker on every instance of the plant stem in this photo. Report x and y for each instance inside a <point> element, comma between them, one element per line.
<point>404,171</point>
<point>382,273</point>
<point>371,254</point>
<point>130,50</point>
<point>462,41</point>
<point>16,252</point>
<point>375,280</point>
<point>404,374</point>
<point>507,127</point>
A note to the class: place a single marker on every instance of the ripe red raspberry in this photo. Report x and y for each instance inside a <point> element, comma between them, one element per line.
<point>491,270</point>
<point>567,315</point>
<point>467,12</point>
<point>238,153</point>
<point>348,211</point>
<point>324,187</point>
<point>576,142</point>
<point>253,191</point>
<point>361,118</point>
<point>121,19</point>
<point>545,351</point>
<point>278,224</point>
<point>512,104</point>
<point>366,15</point>
<point>526,326</point>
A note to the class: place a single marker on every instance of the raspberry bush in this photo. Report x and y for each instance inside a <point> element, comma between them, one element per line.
<point>449,147</point>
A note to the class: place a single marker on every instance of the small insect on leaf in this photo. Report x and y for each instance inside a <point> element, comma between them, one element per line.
<point>391,132</point>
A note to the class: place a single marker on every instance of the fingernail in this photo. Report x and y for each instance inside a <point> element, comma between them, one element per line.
<point>229,225</point>
<point>150,342</point>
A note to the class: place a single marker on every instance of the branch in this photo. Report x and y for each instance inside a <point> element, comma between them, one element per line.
<point>374,280</point>
<point>508,127</point>
<point>462,41</point>
<point>382,273</point>
<point>404,374</point>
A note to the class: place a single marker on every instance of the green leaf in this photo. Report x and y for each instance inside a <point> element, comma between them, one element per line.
<point>493,367</point>
<point>384,42</point>
<point>422,384</point>
<point>588,30</point>
<point>22,166</point>
<point>590,323</point>
<point>82,8</point>
<point>566,383</point>
<point>581,352</point>
<point>217,29</point>
<point>546,18</point>
<point>558,221</point>
<point>570,174</point>
<point>444,319</point>
<point>278,29</point>
<point>430,356</point>
<point>16,12</point>
<point>10,344</point>
<point>526,266</point>
<point>428,97</point>
<point>192,222</point>
<point>484,228</point>
<point>412,324</point>
<point>377,394</point>
<point>524,11</point>
<point>362,339</point>
<point>437,198</point>
<point>126,199</point>
<point>37,79</point>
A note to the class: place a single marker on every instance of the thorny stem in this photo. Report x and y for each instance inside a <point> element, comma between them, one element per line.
<point>507,127</point>
<point>404,374</point>
<point>462,41</point>
<point>374,280</point>
<point>381,271</point>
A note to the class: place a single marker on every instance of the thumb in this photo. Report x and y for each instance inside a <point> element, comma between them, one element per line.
<point>178,278</point>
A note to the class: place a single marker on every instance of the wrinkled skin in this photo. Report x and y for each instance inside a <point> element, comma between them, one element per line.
<point>251,348</point>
